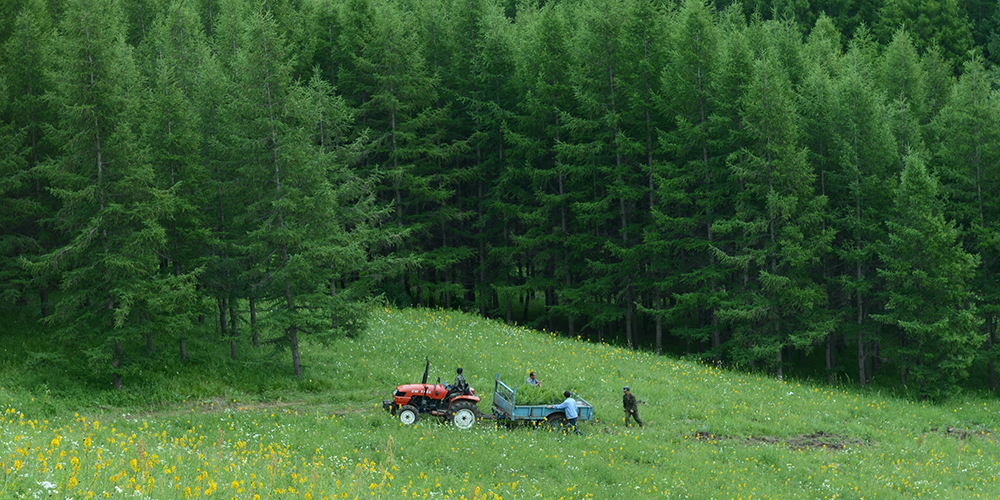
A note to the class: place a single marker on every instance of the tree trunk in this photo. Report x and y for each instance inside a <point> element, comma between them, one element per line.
<point>659,324</point>
<point>780,371</point>
<point>232,331</point>
<point>253,322</point>
<point>831,361</point>
<point>43,299</point>
<point>116,361</point>
<point>293,333</point>
<point>149,334</point>
<point>991,331</point>
<point>333,295</point>
<point>629,337</point>
<point>223,325</point>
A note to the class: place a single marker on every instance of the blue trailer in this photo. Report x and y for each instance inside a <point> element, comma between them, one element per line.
<point>505,407</point>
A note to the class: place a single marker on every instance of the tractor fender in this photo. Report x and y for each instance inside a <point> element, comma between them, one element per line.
<point>464,398</point>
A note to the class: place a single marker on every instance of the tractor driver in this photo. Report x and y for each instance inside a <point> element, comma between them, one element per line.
<point>460,387</point>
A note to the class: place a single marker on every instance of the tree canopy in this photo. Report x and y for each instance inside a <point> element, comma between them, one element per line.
<point>750,183</point>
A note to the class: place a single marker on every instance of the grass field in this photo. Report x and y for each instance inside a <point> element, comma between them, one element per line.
<point>247,430</point>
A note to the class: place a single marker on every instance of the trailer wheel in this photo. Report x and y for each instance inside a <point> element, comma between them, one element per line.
<point>555,421</point>
<point>408,415</point>
<point>464,415</point>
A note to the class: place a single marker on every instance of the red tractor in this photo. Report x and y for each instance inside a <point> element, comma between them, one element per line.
<point>439,400</point>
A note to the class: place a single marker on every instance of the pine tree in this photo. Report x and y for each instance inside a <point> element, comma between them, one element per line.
<point>480,67</point>
<point>283,186</point>
<point>606,163</point>
<point>933,22</point>
<point>176,47</point>
<point>408,145</point>
<point>901,76</point>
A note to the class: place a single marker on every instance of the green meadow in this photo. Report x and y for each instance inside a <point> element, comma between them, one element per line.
<point>246,429</point>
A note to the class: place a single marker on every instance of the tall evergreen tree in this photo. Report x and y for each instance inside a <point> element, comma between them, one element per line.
<point>605,162</point>
<point>176,48</point>
<point>691,189</point>
<point>929,297</point>
<point>478,68</point>
<point>546,217</point>
<point>112,211</point>
<point>901,76</point>
<point>27,57</point>
<point>409,146</point>
<point>967,136</point>
<point>284,185</point>
<point>778,219</point>
<point>933,22</point>
<point>864,153</point>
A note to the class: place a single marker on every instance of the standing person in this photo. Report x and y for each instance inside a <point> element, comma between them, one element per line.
<point>571,412</point>
<point>534,381</point>
<point>631,407</point>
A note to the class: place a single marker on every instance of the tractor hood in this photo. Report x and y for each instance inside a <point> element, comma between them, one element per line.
<point>434,391</point>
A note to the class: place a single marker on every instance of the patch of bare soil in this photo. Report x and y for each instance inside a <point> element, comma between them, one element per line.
<point>816,441</point>
<point>962,434</point>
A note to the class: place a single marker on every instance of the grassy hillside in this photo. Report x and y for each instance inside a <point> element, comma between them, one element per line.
<point>244,429</point>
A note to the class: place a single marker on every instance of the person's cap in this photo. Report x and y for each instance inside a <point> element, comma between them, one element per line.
<point>625,388</point>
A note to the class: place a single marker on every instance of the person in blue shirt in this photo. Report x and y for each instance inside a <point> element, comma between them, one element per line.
<point>571,412</point>
<point>534,381</point>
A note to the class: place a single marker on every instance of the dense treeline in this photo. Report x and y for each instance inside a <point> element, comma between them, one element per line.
<point>749,182</point>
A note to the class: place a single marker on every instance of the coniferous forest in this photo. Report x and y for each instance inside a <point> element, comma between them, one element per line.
<point>771,185</point>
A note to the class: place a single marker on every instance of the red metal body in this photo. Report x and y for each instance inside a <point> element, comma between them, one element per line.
<point>426,398</point>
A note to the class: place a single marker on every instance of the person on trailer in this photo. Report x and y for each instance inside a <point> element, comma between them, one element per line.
<point>533,381</point>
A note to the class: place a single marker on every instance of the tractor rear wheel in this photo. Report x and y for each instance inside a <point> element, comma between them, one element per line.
<point>464,415</point>
<point>408,415</point>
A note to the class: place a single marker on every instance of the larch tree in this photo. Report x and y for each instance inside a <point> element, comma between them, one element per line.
<point>779,303</point>
<point>864,153</point>
<point>27,58</point>
<point>691,187</point>
<point>409,151</point>
<point>172,129</point>
<point>967,135</point>
<point>929,299</point>
<point>544,219</point>
<point>112,211</point>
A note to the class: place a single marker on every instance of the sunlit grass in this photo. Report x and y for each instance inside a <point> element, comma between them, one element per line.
<point>709,433</point>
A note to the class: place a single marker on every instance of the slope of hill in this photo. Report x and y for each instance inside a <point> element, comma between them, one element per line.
<point>709,433</point>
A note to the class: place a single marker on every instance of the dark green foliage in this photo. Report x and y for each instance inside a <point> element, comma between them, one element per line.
<point>535,395</point>
<point>709,178</point>
<point>929,301</point>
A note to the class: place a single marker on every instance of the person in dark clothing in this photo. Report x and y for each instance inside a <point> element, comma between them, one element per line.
<point>461,386</point>
<point>631,407</point>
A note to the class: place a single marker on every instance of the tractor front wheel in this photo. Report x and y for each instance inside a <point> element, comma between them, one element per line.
<point>408,415</point>
<point>464,415</point>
